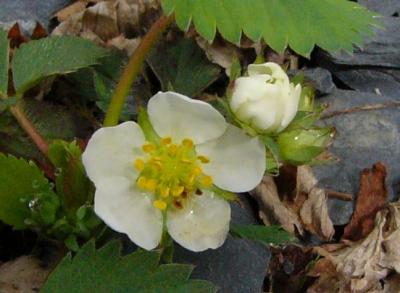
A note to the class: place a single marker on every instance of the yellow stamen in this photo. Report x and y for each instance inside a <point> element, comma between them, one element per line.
<point>157,164</point>
<point>172,150</point>
<point>139,164</point>
<point>206,181</point>
<point>197,171</point>
<point>166,140</point>
<point>203,159</point>
<point>164,191</point>
<point>151,184</point>
<point>187,142</point>
<point>160,204</point>
<point>177,190</point>
<point>148,147</point>
<point>141,182</point>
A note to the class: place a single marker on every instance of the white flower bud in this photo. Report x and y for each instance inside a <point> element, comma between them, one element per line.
<point>266,100</point>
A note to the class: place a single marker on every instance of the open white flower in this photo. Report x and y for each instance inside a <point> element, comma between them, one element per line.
<point>265,99</point>
<point>143,186</point>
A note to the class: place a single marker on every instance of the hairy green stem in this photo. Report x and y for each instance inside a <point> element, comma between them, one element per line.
<point>133,69</point>
<point>29,128</point>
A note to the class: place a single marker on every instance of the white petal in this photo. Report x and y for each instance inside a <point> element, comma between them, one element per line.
<point>269,68</point>
<point>291,104</point>
<point>127,210</point>
<point>179,117</point>
<point>237,161</point>
<point>112,150</point>
<point>249,89</point>
<point>203,222</point>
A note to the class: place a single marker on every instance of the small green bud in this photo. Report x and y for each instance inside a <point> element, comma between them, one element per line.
<point>301,146</point>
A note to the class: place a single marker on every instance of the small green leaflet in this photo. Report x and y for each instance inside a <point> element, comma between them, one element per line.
<point>183,67</point>
<point>268,235</point>
<point>105,271</point>
<point>329,24</point>
<point>20,181</point>
<point>72,183</point>
<point>36,60</point>
<point>4,48</point>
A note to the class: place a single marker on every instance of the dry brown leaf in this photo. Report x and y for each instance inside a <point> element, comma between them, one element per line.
<point>115,23</point>
<point>299,205</point>
<point>220,53</point>
<point>329,280</point>
<point>314,210</point>
<point>365,263</point>
<point>272,209</point>
<point>23,275</point>
<point>124,44</point>
<point>371,198</point>
<point>70,10</point>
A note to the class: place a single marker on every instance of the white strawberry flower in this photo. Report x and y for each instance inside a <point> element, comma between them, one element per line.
<point>265,99</point>
<point>169,182</point>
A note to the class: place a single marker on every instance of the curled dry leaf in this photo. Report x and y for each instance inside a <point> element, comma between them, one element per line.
<point>273,210</point>
<point>300,204</point>
<point>117,23</point>
<point>362,265</point>
<point>371,198</point>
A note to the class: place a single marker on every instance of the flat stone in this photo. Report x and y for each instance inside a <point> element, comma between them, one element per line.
<point>384,7</point>
<point>28,12</point>
<point>239,266</point>
<point>382,50</point>
<point>320,78</point>
<point>363,138</point>
<point>380,81</point>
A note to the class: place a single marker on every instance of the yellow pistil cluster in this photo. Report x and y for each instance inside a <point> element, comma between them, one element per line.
<point>172,172</point>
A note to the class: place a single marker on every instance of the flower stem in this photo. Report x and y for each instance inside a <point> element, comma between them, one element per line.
<point>133,68</point>
<point>29,128</point>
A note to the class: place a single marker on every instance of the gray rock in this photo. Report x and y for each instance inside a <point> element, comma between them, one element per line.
<point>382,50</point>
<point>27,12</point>
<point>384,7</point>
<point>239,266</point>
<point>363,139</point>
<point>381,81</point>
<point>321,79</point>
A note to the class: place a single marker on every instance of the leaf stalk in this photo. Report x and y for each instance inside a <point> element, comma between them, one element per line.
<point>133,68</point>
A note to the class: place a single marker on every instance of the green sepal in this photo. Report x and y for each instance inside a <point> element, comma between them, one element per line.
<point>148,130</point>
<point>227,195</point>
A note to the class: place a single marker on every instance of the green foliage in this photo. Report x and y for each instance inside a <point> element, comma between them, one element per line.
<point>72,184</point>
<point>21,182</point>
<point>36,60</point>
<point>4,48</point>
<point>182,66</point>
<point>269,235</point>
<point>104,270</point>
<point>329,24</point>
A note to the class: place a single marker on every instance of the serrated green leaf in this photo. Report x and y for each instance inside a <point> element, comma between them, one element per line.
<point>269,235</point>
<point>104,270</point>
<point>19,182</point>
<point>4,51</point>
<point>36,60</point>
<point>183,66</point>
<point>330,24</point>
<point>71,183</point>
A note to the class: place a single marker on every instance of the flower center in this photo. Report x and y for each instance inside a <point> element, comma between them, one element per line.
<point>171,172</point>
